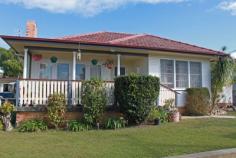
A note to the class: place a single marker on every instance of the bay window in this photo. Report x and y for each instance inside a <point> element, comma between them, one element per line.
<point>181,74</point>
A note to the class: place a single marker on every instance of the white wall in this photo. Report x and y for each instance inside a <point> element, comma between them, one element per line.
<point>1,87</point>
<point>227,95</point>
<point>154,69</point>
<point>132,64</point>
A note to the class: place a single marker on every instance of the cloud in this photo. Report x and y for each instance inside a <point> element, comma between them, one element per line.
<point>84,7</point>
<point>228,6</point>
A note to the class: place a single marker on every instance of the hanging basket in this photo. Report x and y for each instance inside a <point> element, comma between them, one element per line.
<point>36,57</point>
<point>53,59</point>
<point>109,64</point>
<point>94,62</point>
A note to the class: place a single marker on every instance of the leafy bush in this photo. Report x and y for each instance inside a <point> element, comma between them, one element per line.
<point>33,126</point>
<point>114,123</point>
<point>56,109</point>
<point>93,100</point>
<point>6,111</point>
<point>77,126</point>
<point>158,113</point>
<point>7,108</point>
<point>198,101</point>
<point>136,95</point>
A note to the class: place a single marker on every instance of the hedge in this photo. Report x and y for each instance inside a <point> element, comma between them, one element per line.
<point>135,95</point>
<point>198,101</point>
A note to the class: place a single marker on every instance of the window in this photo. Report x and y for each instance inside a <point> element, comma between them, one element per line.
<point>45,71</point>
<point>186,74</point>
<point>95,71</point>
<point>122,71</point>
<point>80,72</point>
<point>167,73</point>
<point>63,71</point>
<point>181,74</point>
<point>195,74</point>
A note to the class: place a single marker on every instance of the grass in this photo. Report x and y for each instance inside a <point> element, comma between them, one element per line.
<point>170,139</point>
<point>231,113</point>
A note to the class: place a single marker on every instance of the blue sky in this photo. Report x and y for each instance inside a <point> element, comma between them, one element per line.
<point>208,23</point>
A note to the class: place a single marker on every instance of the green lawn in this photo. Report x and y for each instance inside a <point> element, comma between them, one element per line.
<point>189,136</point>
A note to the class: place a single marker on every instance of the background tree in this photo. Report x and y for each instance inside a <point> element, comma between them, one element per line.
<point>11,63</point>
<point>222,74</point>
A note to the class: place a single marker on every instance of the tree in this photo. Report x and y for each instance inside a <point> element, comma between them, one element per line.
<point>11,63</point>
<point>221,75</point>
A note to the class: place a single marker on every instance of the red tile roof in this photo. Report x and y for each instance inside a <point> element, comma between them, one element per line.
<point>143,41</point>
<point>137,41</point>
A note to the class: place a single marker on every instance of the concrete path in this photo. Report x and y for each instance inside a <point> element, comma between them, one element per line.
<point>225,153</point>
<point>201,117</point>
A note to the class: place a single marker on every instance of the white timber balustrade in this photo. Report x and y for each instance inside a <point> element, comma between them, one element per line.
<point>166,94</point>
<point>36,92</point>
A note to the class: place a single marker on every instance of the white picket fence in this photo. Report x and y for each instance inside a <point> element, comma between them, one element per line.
<point>36,92</point>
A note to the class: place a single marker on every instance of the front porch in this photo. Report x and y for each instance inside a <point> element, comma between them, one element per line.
<point>47,71</point>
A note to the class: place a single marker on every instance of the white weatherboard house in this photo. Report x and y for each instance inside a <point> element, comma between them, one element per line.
<point>61,64</point>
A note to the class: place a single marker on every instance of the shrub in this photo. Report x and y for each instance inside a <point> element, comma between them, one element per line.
<point>93,100</point>
<point>6,111</point>
<point>56,109</point>
<point>198,101</point>
<point>114,123</point>
<point>77,126</point>
<point>158,113</point>
<point>33,126</point>
<point>136,95</point>
<point>7,108</point>
<point>1,125</point>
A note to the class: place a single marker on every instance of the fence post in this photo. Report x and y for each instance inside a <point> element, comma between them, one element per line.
<point>17,93</point>
<point>69,93</point>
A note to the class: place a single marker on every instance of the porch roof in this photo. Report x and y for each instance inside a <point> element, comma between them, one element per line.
<point>123,40</point>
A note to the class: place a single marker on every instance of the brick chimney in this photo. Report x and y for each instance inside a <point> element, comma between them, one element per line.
<point>31,29</point>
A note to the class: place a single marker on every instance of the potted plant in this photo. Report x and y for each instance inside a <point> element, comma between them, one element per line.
<point>6,110</point>
<point>157,121</point>
<point>174,115</point>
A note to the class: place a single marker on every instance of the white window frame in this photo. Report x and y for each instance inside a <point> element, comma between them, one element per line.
<point>189,84</point>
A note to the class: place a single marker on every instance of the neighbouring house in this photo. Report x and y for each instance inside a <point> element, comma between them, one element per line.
<point>61,64</point>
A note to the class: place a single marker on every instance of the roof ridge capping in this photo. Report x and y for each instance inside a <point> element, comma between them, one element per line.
<point>78,35</point>
<point>193,45</point>
<point>92,33</point>
<point>126,38</point>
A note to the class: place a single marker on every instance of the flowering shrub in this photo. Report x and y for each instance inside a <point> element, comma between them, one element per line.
<point>7,108</point>
<point>93,100</point>
<point>56,109</point>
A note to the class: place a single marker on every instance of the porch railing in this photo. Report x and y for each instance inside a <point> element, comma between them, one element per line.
<point>36,92</point>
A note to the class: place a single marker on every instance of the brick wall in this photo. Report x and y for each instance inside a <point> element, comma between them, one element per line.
<point>24,116</point>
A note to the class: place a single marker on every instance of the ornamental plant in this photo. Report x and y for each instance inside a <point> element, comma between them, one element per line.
<point>6,110</point>
<point>77,126</point>
<point>56,109</point>
<point>93,100</point>
<point>33,126</point>
<point>135,95</point>
<point>198,101</point>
